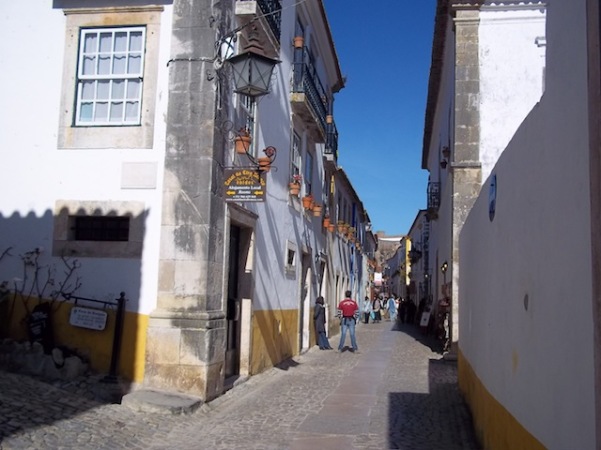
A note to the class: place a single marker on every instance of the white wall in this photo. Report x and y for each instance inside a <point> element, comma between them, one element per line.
<point>525,295</point>
<point>511,75</point>
<point>37,174</point>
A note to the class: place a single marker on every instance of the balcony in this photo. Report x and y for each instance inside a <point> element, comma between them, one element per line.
<point>270,20</point>
<point>308,97</point>
<point>433,200</point>
<point>331,148</point>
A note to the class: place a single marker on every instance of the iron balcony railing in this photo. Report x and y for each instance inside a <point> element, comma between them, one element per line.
<point>332,141</point>
<point>271,10</point>
<point>433,196</point>
<point>306,81</point>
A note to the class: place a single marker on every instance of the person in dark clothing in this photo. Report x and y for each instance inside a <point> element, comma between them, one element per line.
<point>319,317</point>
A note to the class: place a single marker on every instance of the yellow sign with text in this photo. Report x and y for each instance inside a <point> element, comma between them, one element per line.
<point>244,185</point>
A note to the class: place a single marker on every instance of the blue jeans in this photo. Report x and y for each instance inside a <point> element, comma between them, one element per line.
<point>322,340</point>
<point>348,323</point>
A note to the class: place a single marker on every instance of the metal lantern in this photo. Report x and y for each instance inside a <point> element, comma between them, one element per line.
<point>252,70</point>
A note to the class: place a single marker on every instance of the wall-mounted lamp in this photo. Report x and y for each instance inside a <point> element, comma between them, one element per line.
<point>443,268</point>
<point>252,69</point>
<point>446,153</point>
<point>252,75</point>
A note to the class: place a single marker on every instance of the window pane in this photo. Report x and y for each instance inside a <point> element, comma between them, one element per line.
<point>106,41</point>
<point>104,89</point>
<point>90,42</point>
<point>89,65</point>
<point>108,57</point>
<point>133,89</point>
<point>135,64</point>
<point>119,65</point>
<point>120,41</point>
<point>85,112</point>
<point>118,89</point>
<point>101,112</point>
<point>104,65</point>
<point>87,90</point>
<point>132,111</point>
<point>116,112</point>
<point>135,43</point>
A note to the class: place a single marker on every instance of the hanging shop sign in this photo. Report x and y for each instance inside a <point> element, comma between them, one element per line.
<point>244,185</point>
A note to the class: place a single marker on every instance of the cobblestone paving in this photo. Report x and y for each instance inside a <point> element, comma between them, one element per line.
<point>396,393</point>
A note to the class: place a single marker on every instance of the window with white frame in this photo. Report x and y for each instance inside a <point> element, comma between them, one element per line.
<point>291,257</point>
<point>110,76</point>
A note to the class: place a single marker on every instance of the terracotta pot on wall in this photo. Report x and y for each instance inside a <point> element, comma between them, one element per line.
<point>242,144</point>
<point>307,202</point>
<point>294,188</point>
<point>326,222</point>
<point>316,209</point>
<point>264,163</point>
<point>299,42</point>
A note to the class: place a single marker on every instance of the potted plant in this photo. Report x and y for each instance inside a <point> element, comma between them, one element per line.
<point>326,221</point>
<point>264,163</point>
<point>299,41</point>
<point>242,141</point>
<point>331,227</point>
<point>295,185</point>
<point>307,201</point>
<point>317,209</point>
<point>342,226</point>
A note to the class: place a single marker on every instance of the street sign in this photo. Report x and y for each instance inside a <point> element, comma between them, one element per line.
<point>244,185</point>
<point>94,319</point>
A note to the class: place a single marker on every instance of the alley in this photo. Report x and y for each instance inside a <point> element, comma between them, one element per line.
<point>395,393</point>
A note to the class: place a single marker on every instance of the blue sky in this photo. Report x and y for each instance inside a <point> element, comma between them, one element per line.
<point>384,50</point>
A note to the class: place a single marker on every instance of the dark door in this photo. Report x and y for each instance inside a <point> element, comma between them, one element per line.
<point>232,354</point>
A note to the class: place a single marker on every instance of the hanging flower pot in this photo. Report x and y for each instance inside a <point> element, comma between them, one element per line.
<point>264,163</point>
<point>242,144</point>
<point>299,42</point>
<point>317,209</point>
<point>294,188</point>
<point>329,118</point>
<point>342,227</point>
<point>331,227</point>
<point>307,201</point>
<point>326,222</point>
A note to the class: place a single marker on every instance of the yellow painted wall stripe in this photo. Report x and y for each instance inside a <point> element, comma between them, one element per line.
<point>94,345</point>
<point>495,427</point>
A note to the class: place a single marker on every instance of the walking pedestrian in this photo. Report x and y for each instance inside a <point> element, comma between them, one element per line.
<point>392,308</point>
<point>348,311</point>
<point>376,306</point>
<point>384,307</point>
<point>319,317</point>
<point>366,309</point>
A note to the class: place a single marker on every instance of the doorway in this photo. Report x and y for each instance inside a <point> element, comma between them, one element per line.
<point>233,310</point>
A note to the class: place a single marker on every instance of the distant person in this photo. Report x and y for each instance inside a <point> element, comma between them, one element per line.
<point>348,311</point>
<point>319,318</point>
<point>384,306</point>
<point>376,306</point>
<point>403,310</point>
<point>392,308</point>
<point>366,309</point>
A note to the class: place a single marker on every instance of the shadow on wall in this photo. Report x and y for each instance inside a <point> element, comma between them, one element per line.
<point>68,305</point>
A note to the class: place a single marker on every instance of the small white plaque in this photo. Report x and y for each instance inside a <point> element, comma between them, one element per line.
<point>424,319</point>
<point>94,319</point>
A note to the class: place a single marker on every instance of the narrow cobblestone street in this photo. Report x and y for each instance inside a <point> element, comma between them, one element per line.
<point>396,393</point>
